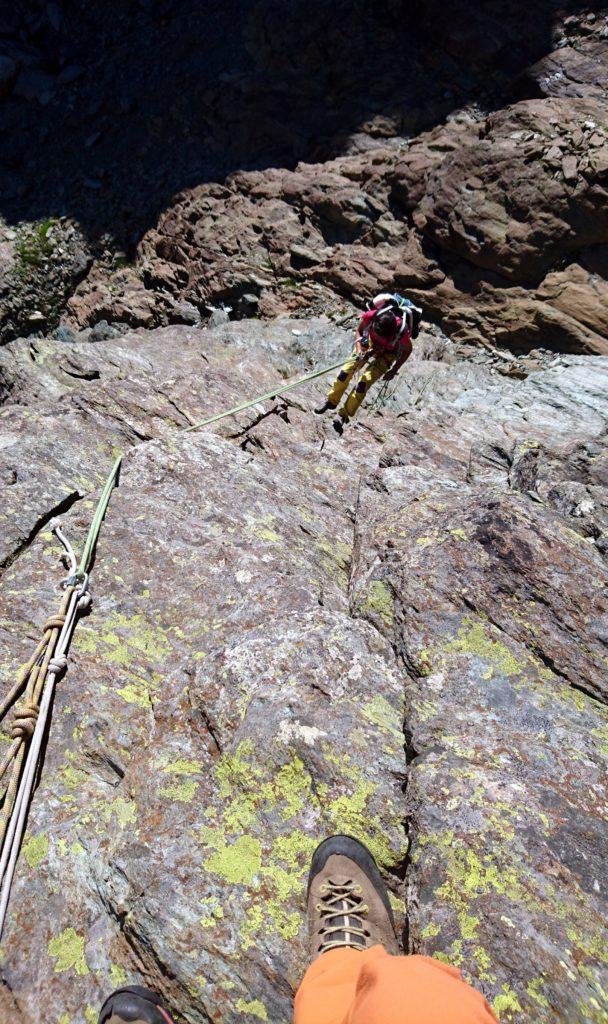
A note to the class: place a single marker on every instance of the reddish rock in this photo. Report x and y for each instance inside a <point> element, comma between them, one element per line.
<point>525,217</point>
<point>578,71</point>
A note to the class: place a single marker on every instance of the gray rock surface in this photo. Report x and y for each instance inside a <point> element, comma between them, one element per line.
<point>401,634</point>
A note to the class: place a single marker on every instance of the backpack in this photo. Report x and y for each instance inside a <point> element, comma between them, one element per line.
<point>405,308</point>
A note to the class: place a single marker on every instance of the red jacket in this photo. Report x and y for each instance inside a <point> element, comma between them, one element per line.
<point>398,345</point>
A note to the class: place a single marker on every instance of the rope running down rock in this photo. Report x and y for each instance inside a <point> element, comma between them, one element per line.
<point>38,677</point>
<point>49,661</point>
<point>264,398</point>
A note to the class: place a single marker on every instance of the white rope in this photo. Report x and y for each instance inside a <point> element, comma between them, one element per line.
<point>79,600</point>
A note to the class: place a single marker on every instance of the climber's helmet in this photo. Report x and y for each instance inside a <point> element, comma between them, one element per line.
<point>385,324</point>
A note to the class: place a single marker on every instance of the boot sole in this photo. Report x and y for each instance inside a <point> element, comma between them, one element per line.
<point>347,846</point>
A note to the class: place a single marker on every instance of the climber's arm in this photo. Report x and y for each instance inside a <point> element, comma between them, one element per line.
<point>404,354</point>
<point>361,336</point>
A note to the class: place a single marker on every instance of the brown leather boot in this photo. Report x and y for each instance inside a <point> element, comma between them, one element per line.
<point>347,900</point>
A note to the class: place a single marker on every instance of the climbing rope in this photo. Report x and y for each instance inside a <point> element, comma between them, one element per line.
<point>38,678</point>
<point>383,397</point>
<point>100,511</point>
<point>264,398</point>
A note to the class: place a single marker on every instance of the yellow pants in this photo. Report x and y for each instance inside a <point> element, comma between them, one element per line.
<point>373,368</point>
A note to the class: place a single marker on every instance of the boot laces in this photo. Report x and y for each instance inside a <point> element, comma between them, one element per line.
<point>343,914</point>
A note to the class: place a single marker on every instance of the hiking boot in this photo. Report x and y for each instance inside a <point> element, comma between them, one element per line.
<point>133,1005</point>
<point>339,424</point>
<point>347,900</point>
<point>324,408</point>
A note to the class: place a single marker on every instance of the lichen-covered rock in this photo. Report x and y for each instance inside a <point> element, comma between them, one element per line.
<point>400,634</point>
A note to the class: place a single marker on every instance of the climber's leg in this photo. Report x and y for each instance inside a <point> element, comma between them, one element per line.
<point>342,381</point>
<point>353,978</point>
<point>375,369</point>
<point>347,986</point>
<point>133,1005</point>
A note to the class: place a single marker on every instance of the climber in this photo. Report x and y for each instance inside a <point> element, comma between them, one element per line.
<point>382,344</point>
<point>356,975</point>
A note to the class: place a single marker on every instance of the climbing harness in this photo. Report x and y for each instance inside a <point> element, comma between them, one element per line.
<point>38,678</point>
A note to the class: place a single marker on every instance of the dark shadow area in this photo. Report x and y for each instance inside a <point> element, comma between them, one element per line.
<point>109,108</point>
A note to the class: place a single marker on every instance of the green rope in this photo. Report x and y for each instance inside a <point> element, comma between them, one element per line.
<point>102,504</point>
<point>100,512</point>
<point>264,398</point>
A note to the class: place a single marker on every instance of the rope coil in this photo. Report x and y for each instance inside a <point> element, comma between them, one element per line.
<point>37,678</point>
<point>24,722</point>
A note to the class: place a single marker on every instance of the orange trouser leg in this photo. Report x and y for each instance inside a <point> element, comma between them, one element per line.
<point>346,986</point>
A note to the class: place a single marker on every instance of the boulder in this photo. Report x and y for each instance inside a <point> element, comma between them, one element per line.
<point>578,71</point>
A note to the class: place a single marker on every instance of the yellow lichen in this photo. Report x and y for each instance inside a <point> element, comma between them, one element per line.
<point>68,950</point>
<point>533,989</point>
<point>183,792</point>
<point>263,533</point>
<point>123,810</point>
<point>379,600</point>
<point>473,639</point>
<point>255,1007</point>
<point>506,1004</point>
<point>36,849</point>
<point>118,975</point>
<point>425,542</point>
<point>136,693</point>
<point>384,715</point>
<point>238,862</point>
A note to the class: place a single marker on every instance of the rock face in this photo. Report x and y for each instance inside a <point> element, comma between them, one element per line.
<point>40,266</point>
<point>402,634</point>
<point>496,225</point>
<point>472,171</point>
